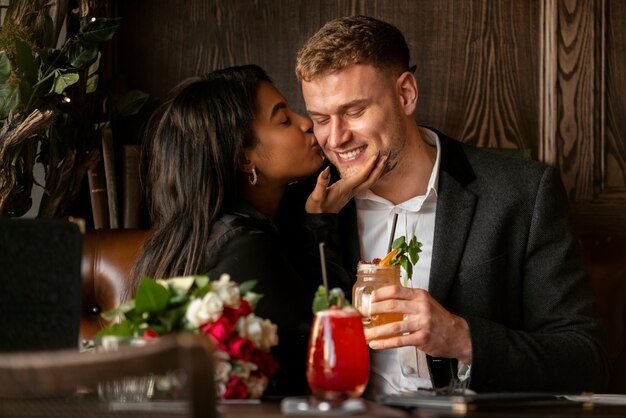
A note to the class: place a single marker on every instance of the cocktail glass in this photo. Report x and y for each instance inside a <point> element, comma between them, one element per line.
<point>338,357</point>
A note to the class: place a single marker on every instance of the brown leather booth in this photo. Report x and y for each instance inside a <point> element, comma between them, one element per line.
<point>108,256</point>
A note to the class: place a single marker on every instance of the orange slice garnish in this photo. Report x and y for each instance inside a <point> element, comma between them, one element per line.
<point>385,261</point>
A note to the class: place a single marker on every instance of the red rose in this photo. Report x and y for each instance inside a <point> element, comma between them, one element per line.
<point>219,330</point>
<point>265,362</point>
<point>150,333</point>
<point>233,314</point>
<point>235,389</point>
<point>240,348</point>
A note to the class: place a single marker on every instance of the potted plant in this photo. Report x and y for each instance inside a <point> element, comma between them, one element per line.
<point>52,103</point>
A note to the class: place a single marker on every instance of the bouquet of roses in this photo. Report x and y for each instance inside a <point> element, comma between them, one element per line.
<point>222,310</point>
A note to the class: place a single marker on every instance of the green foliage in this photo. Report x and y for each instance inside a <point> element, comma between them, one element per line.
<point>408,255</point>
<point>335,298</point>
<point>157,307</point>
<point>161,306</point>
<point>48,73</point>
<point>35,74</point>
<point>151,297</point>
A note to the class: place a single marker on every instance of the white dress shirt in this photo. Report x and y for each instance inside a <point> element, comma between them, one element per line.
<point>405,368</point>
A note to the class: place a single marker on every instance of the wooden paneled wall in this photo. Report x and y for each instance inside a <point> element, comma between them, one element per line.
<point>547,75</point>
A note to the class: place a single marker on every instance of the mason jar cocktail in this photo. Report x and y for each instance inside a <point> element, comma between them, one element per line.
<point>368,278</point>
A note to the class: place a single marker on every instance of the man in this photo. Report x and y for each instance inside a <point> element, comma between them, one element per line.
<point>499,299</point>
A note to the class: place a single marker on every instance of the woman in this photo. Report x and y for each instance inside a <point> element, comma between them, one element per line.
<point>220,155</point>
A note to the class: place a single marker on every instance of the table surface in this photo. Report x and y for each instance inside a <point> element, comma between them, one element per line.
<point>86,408</point>
<point>272,410</point>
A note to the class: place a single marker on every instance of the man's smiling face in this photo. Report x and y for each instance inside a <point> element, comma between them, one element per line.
<point>356,113</point>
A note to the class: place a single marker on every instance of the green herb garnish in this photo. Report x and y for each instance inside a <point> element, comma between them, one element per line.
<point>335,298</point>
<point>406,255</point>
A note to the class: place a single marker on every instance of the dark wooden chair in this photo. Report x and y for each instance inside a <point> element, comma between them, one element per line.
<point>40,280</point>
<point>63,383</point>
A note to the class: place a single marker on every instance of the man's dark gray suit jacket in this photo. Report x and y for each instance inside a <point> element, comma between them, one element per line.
<point>504,258</point>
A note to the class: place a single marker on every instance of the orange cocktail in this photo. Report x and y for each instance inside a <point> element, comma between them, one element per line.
<point>368,278</point>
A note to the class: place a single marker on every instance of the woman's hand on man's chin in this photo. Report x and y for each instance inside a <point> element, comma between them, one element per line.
<point>331,199</point>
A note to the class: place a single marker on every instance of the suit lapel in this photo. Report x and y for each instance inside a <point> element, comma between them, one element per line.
<point>455,210</point>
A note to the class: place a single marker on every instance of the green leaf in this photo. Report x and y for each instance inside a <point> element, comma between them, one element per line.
<point>247,286</point>
<point>95,65</point>
<point>178,298</point>
<point>123,329</point>
<point>407,256</point>
<point>63,81</point>
<point>81,56</point>
<point>132,102</point>
<point>46,83</point>
<point>335,298</point>
<point>121,310</point>
<point>151,296</point>
<point>408,268</point>
<point>201,281</point>
<point>398,242</point>
<point>26,91</point>
<point>414,249</point>
<point>252,298</point>
<point>92,84</point>
<point>5,67</point>
<point>9,99</point>
<point>172,320</point>
<point>25,61</point>
<point>319,304</point>
<point>99,30</point>
<point>203,286</point>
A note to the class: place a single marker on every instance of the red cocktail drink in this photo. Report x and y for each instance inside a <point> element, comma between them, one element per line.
<point>338,358</point>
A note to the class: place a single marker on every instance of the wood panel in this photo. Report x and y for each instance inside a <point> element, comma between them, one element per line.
<point>476,62</point>
<point>590,145</point>
<point>614,161</point>
<point>547,75</point>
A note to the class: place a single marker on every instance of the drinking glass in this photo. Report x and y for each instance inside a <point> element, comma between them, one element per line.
<point>368,278</point>
<point>130,388</point>
<point>338,357</point>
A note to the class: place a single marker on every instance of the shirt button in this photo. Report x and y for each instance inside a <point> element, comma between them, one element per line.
<point>406,370</point>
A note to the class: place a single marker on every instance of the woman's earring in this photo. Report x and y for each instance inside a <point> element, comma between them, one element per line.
<point>253,178</point>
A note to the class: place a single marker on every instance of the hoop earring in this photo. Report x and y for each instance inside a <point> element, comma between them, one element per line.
<point>252,178</point>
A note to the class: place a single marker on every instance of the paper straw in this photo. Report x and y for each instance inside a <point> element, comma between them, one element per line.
<point>393,232</point>
<point>324,275</point>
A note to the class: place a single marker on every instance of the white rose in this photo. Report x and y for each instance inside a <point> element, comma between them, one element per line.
<point>262,332</point>
<point>207,309</point>
<point>227,291</point>
<point>221,355</point>
<point>220,389</point>
<point>222,371</point>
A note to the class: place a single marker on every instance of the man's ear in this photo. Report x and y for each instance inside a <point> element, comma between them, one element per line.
<point>406,85</point>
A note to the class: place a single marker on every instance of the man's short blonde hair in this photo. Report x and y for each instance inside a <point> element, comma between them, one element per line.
<point>352,40</point>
